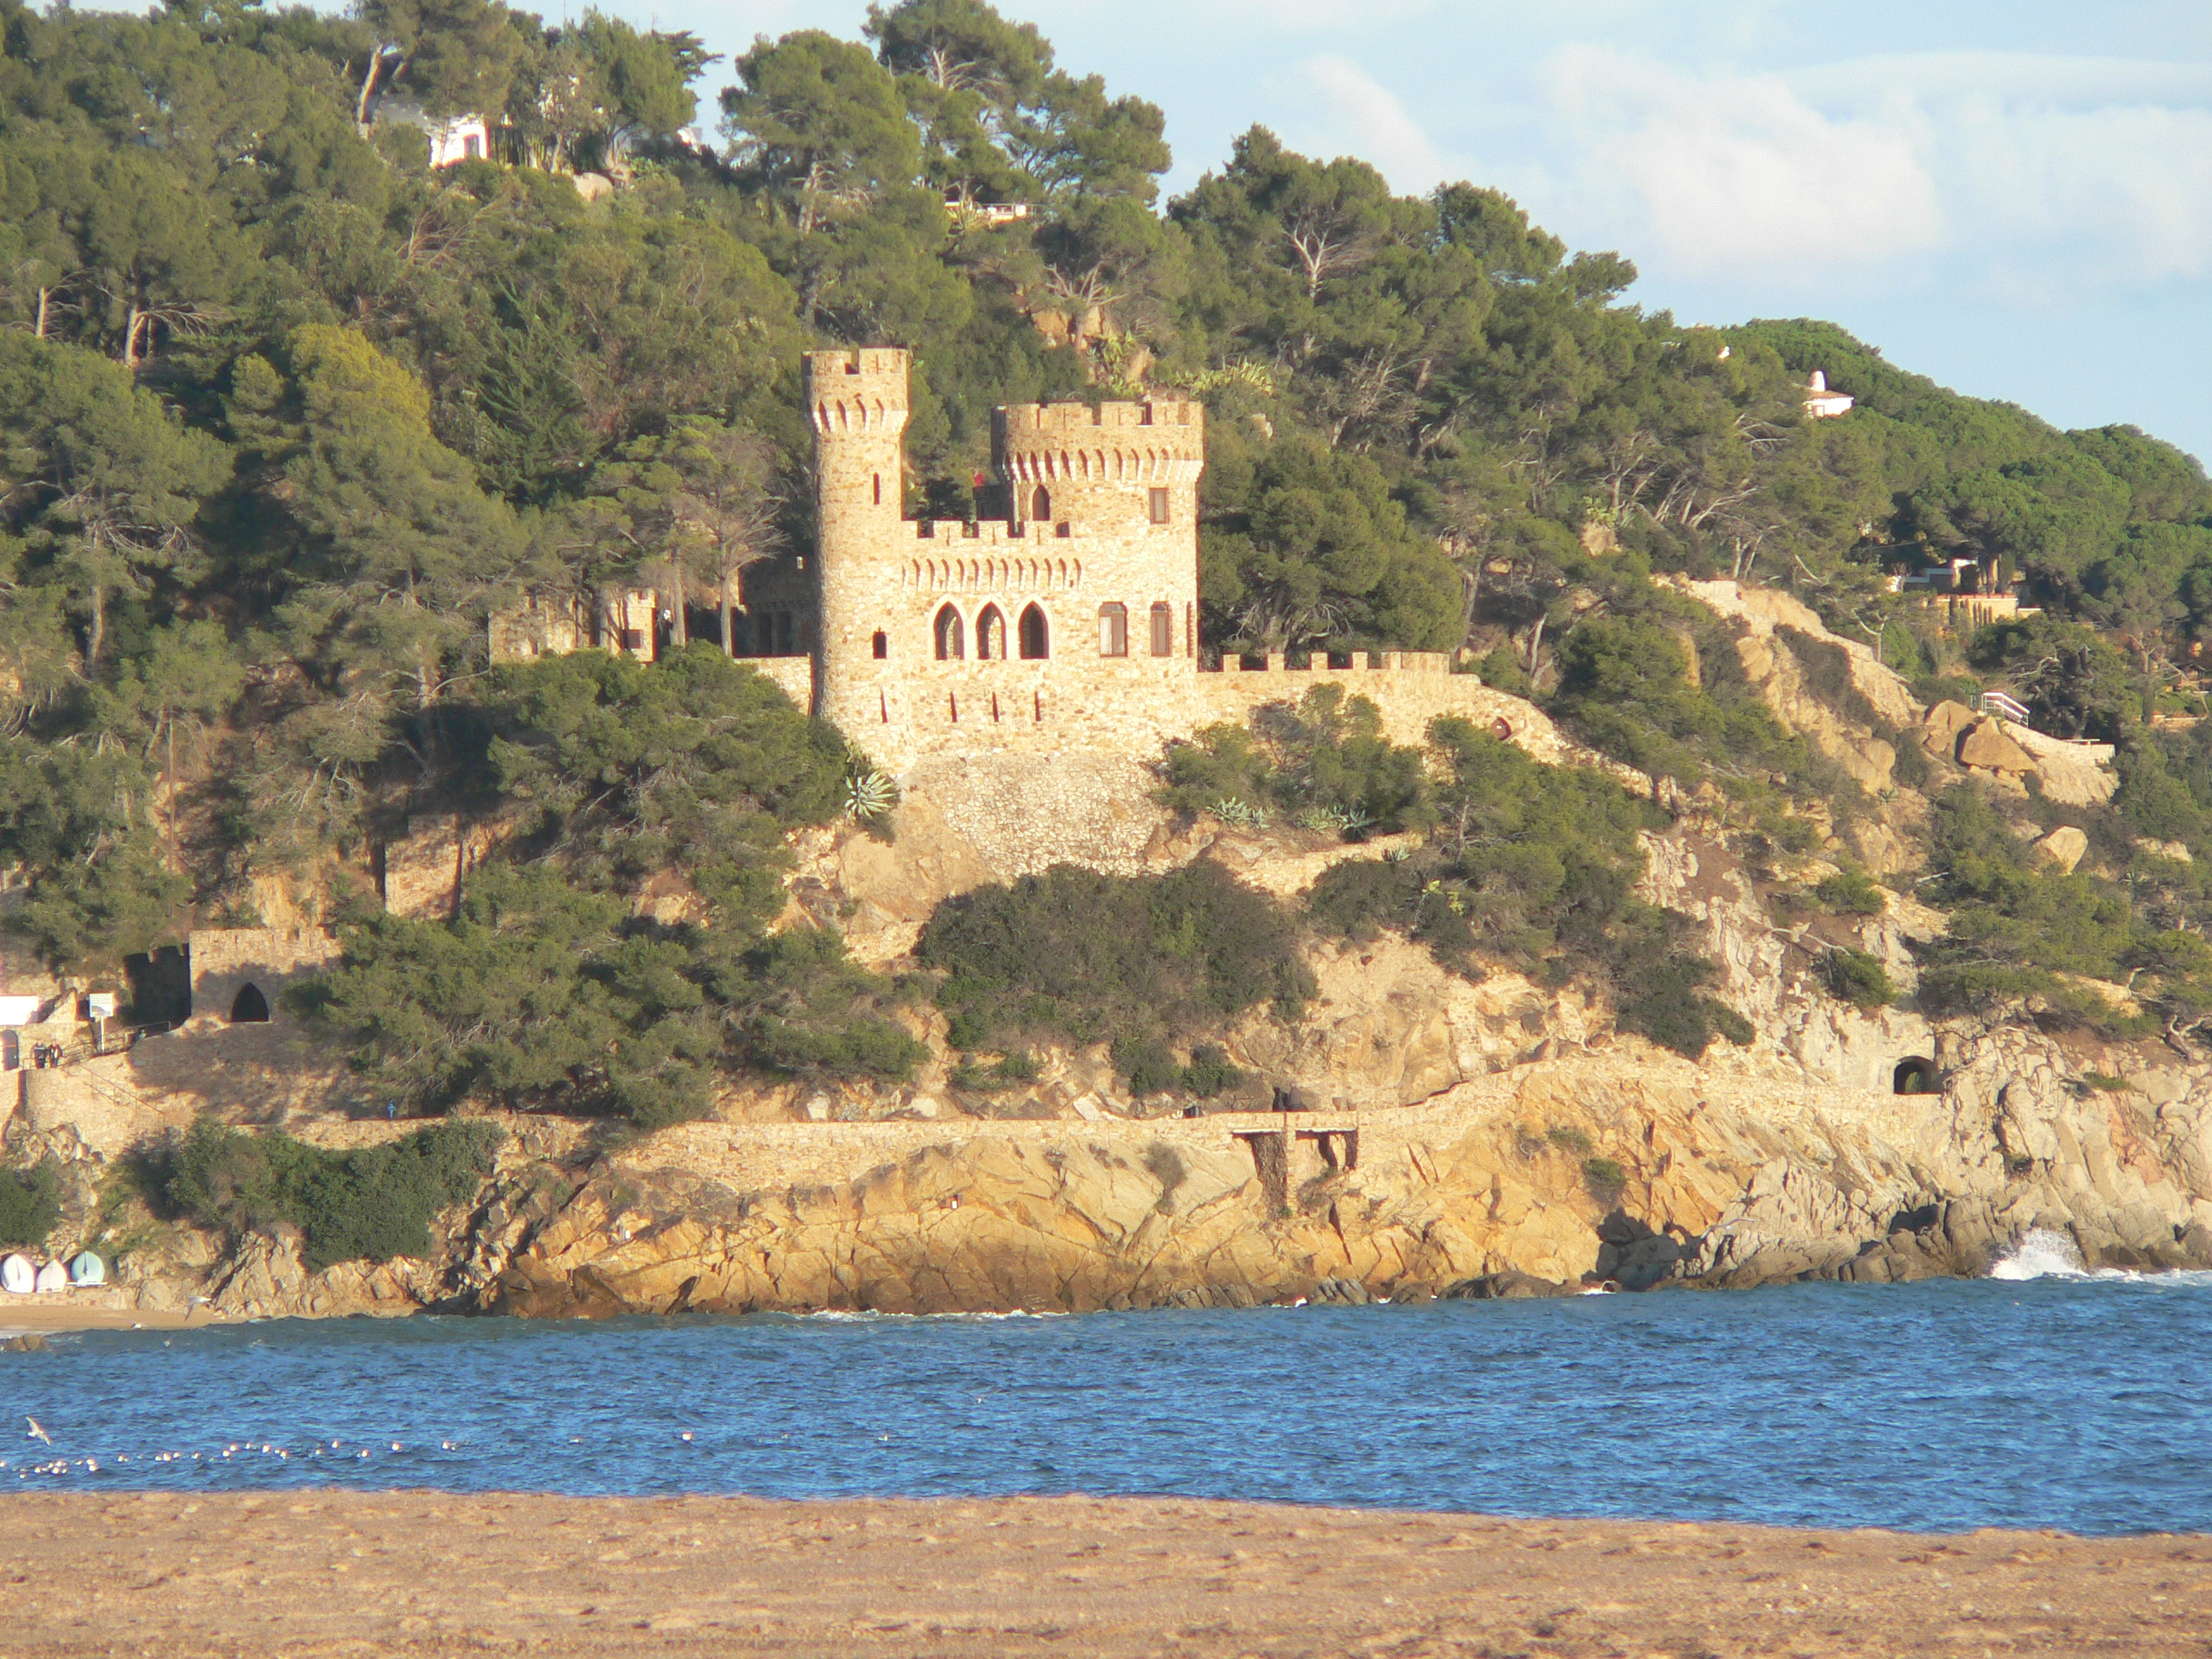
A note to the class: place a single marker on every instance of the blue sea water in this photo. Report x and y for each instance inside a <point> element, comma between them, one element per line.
<point>2078,1403</point>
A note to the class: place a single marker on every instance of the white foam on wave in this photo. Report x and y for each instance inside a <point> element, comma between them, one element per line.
<point>2043,1254</point>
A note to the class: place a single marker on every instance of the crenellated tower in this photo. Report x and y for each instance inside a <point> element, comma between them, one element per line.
<point>858,401</point>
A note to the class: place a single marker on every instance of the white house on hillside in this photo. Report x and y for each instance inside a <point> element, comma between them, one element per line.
<point>453,138</point>
<point>1823,404</point>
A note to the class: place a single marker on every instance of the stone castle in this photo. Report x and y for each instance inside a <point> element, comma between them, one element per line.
<point>1070,626</point>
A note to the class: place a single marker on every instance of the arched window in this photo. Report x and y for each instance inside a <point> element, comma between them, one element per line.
<point>882,645</point>
<point>1156,504</point>
<point>1036,637</point>
<point>1113,630</point>
<point>990,635</point>
<point>1040,504</point>
<point>951,635</point>
<point>1163,629</point>
<point>249,1007</point>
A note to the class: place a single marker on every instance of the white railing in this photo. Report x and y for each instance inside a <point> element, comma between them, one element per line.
<point>1996,702</point>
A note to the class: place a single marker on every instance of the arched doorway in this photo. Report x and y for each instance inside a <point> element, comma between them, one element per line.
<point>990,635</point>
<point>1916,1075</point>
<point>249,1006</point>
<point>951,635</point>
<point>1036,635</point>
<point>1040,504</point>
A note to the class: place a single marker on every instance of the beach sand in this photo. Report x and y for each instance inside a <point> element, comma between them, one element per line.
<point>326,1572</point>
<point>42,1315</point>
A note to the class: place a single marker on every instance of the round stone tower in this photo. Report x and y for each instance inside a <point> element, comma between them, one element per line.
<point>858,400</point>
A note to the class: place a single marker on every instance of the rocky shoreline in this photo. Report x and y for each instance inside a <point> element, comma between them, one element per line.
<point>1612,1165</point>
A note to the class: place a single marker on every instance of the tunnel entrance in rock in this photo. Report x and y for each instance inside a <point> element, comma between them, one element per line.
<point>1916,1075</point>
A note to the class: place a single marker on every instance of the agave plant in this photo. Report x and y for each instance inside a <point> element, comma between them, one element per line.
<point>869,794</point>
<point>1242,814</point>
<point>1345,820</point>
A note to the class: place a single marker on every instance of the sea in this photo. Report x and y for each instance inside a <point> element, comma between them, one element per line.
<point>2042,1396</point>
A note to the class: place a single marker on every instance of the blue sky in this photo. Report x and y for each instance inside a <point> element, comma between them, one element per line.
<point>2013,198</point>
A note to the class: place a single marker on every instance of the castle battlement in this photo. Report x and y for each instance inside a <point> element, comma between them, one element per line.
<point>857,391</point>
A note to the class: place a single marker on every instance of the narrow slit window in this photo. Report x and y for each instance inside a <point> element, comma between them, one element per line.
<point>879,489</point>
<point>882,645</point>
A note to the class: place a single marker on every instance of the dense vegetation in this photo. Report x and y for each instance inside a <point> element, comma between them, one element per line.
<point>285,414</point>
<point>30,1204</point>
<point>556,984</point>
<point>371,1203</point>
<point>1149,964</point>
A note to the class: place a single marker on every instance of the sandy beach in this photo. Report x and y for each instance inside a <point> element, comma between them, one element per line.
<point>326,1572</point>
<point>42,1315</point>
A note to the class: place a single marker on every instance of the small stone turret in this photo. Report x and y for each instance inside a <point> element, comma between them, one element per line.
<point>1104,468</point>
<point>858,400</point>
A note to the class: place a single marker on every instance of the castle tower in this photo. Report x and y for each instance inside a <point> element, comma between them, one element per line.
<point>1124,478</point>
<point>1113,469</point>
<point>858,401</point>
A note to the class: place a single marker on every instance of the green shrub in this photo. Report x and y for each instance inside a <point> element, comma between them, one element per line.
<point>1858,978</point>
<point>1604,1179</point>
<point>1148,963</point>
<point>1850,892</point>
<point>1567,1138</point>
<point>1323,760</point>
<point>371,1203</point>
<point>1209,1072</point>
<point>1661,993</point>
<point>1535,865</point>
<point>1500,668</point>
<point>30,1203</point>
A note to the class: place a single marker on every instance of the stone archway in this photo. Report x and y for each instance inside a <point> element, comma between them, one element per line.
<point>1916,1075</point>
<point>249,1006</point>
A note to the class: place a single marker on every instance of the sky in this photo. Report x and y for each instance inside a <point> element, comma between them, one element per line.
<point>2014,197</point>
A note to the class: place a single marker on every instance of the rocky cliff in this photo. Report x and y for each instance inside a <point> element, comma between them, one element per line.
<point>1417,1135</point>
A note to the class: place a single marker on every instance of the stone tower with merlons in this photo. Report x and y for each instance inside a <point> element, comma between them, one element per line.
<point>1071,625</point>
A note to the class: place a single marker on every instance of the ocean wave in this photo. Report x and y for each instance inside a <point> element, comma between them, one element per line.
<point>2043,1254</point>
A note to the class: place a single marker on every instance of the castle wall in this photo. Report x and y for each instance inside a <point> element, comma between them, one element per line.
<point>225,960</point>
<point>1409,689</point>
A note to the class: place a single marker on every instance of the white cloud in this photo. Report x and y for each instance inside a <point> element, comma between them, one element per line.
<point>2065,200</point>
<point>1737,174</point>
<point>1360,117</point>
<point>2032,177</point>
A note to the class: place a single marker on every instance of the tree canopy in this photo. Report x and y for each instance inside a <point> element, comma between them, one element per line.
<point>285,414</point>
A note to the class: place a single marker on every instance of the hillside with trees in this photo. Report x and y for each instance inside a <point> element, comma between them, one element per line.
<point>286,414</point>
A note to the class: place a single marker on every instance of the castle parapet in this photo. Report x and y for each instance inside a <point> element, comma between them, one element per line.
<point>862,389</point>
<point>1334,663</point>
<point>1111,444</point>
